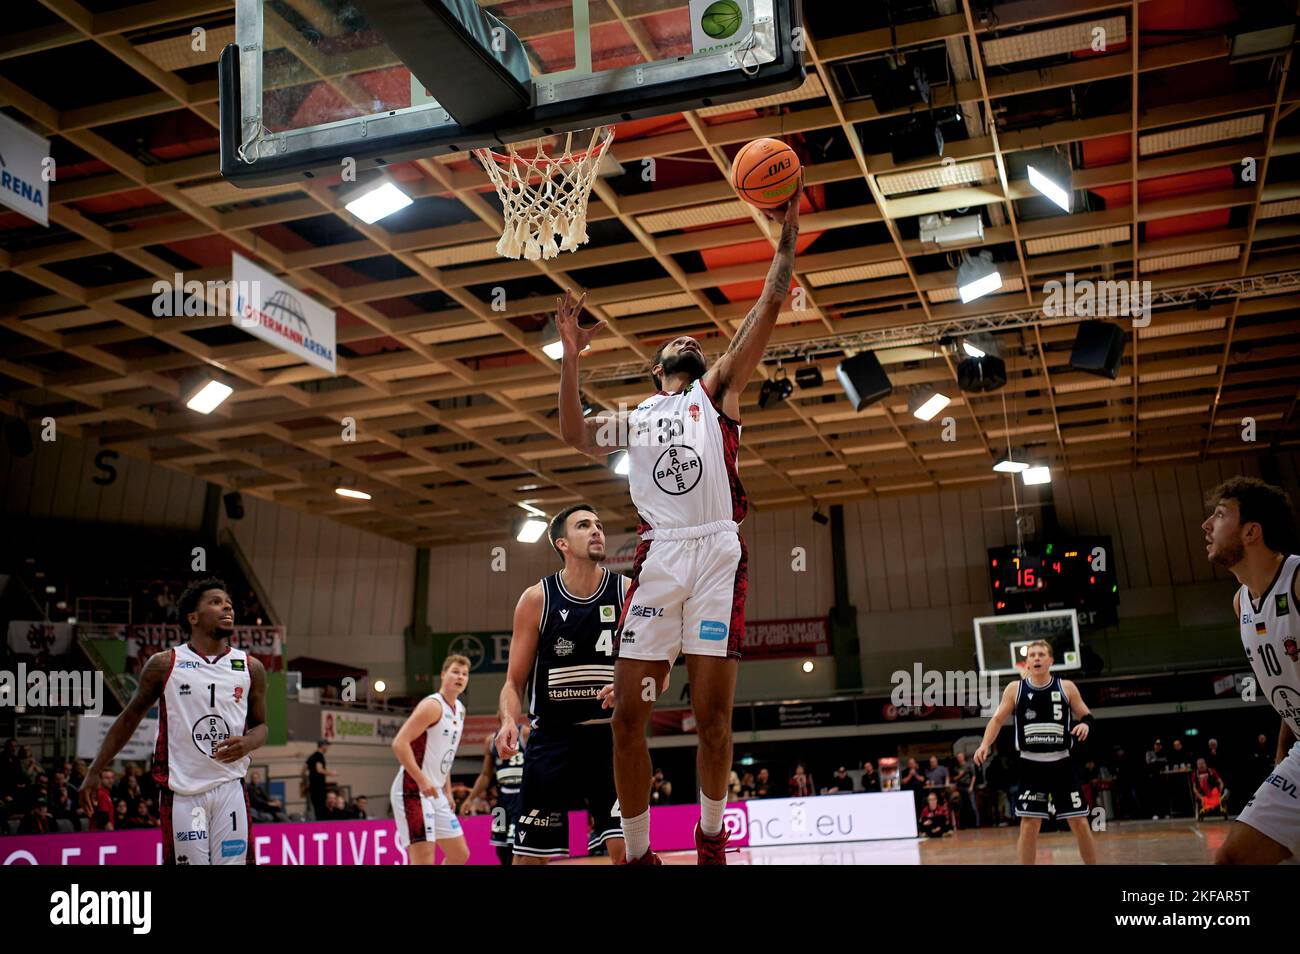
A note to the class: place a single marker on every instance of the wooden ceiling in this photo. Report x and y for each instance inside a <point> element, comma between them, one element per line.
<point>455,402</point>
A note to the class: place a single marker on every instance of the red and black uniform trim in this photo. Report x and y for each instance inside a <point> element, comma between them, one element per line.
<point>411,794</point>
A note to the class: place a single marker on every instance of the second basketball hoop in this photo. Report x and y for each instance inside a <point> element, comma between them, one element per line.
<point>544,197</point>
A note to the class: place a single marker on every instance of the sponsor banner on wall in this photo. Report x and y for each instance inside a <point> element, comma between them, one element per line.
<point>783,638</point>
<point>280,314</point>
<point>92,729</point>
<point>369,842</point>
<point>486,652</point>
<point>359,727</point>
<point>831,818</point>
<point>145,639</point>
<point>805,715</point>
<point>34,638</point>
<point>23,186</point>
<point>477,728</point>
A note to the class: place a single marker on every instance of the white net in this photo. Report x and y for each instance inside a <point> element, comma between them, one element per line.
<point>545,197</point>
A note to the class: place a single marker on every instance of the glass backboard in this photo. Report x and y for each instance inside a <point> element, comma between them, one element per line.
<point>1000,641</point>
<point>309,82</point>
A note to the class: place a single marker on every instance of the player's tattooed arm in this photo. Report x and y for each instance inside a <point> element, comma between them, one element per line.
<point>152,680</point>
<point>732,371</point>
<point>237,746</point>
<point>578,433</point>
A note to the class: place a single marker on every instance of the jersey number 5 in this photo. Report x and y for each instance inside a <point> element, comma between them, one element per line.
<point>606,642</point>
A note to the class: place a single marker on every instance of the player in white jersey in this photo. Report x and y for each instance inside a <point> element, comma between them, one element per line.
<point>689,577</point>
<point>211,715</point>
<point>421,794</point>
<point>1251,533</point>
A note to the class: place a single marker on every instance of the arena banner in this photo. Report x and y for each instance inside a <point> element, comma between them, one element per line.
<point>92,729</point>
<point>145,639</point>
<point>279,313</point>
<point>486,651</point>
<point>358,727</point>
<point>830,818</point>
<point>369,842</point>
<point>34,638</point>
<point>783,638</point>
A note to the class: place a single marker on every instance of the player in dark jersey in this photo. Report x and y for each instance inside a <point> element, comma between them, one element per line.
<point>509,774</point>
<point>561,659</point>
<point>1049,714</point>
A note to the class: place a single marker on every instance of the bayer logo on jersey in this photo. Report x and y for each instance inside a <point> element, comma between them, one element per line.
<point>209,732</point>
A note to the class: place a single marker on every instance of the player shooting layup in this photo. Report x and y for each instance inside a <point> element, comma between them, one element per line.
<point>689,577</point>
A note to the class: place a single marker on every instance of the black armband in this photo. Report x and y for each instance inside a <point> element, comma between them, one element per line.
<point>1087,720</point>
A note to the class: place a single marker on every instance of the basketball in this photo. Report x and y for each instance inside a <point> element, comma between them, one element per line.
<point>765,173</point>
<point>721,19</point>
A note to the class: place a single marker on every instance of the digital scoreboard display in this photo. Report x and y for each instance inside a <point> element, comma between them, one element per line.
<point>1071,573</point>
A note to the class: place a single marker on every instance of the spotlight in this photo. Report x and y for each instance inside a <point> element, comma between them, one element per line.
<point>207,395</point>
<point>621,463</point>
<point>808,665</point>
<point>1036,475</point>
<point>375,200</point>
<point>1053,179</point>
<point>977,276</point>
<point>982,369</point>
<point>775,391</point>
<point>352,494</point>
<point>380,685</point>
<point>530,530</point>
<point>926,402</point>
<point>809,376</point>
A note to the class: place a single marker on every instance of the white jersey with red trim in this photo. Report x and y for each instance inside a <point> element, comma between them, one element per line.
<point>682,461</point>
<point>435,749</point>
<point>204,702</point>
<point>1270,634</point>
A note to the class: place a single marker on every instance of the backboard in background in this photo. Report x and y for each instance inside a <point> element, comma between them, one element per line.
<point>309,82</point>
<point>1000,641</point>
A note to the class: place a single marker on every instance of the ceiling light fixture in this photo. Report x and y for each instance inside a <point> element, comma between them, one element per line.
<point>926,402</point>
<point>530,530</point>
<point>208,395</point>
<point>1041,474</point>
<point>353,494</point>
<point>376,200</point>
<point>622,464</point>
<point>977,276</point>
<point>1052,178</point>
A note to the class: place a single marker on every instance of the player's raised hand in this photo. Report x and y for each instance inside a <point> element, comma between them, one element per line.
<point>567,311</point>
<point>981,756</point>
<point>507,740</point>
<point>788,214</point>
<point>1080,731</point>
<point>233,749</point>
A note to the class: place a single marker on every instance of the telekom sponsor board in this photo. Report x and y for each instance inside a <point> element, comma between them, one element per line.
<point>756,823</point>
<point>782,638</point>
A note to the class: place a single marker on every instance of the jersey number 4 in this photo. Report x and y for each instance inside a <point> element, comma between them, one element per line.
<point>606,642</point>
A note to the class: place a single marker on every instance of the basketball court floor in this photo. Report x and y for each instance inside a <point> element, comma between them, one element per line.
<point>1167,842</point>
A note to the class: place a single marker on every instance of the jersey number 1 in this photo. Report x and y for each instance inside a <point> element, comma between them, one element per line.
<point>606,642</point>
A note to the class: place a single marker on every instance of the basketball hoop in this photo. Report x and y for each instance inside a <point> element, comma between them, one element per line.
<point>543,197</point>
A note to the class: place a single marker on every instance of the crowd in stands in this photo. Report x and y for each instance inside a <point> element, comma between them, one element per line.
<point>44,799</point>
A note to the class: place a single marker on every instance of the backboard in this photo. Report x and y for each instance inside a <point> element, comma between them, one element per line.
<point>1000,641</point>
<point>310,82</point>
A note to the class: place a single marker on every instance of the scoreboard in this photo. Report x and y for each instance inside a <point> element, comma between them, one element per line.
<point>1065,573</point>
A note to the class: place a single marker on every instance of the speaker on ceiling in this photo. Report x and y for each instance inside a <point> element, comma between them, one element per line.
<point>863,379</point>
<point>234,502</point>
<point>1098,348</point>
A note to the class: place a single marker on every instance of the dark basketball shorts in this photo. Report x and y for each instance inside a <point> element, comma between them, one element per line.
<point>1049,789</point>
<point>504,815</point>
<point>563,772</point>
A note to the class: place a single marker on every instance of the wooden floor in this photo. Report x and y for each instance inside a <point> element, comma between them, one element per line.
<point>1172,842</point>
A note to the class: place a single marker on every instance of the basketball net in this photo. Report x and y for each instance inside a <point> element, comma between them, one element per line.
<point>544,198</point>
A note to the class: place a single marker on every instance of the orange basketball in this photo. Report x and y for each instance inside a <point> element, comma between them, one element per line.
<point>765,173</point>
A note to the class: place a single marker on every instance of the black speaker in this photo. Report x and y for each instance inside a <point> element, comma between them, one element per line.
<point>234,502</point>
<point>1098,348</point>
<point>897,88</point>
<point>919,138</point>
<point>981,374</point>
<point>18,437</point>
<point>863,379</point>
